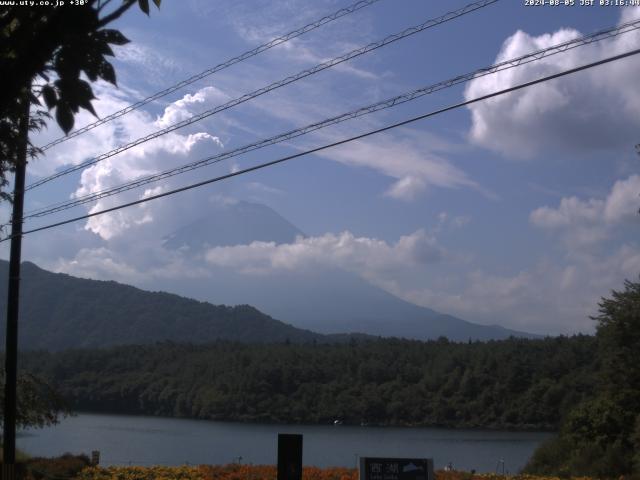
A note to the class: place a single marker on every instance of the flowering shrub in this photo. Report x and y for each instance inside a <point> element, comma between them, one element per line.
<point>264,472</point>
<point>141,473</point>
<point>457,475</point>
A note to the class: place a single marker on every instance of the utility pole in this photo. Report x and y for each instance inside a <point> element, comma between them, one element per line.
<point>13,300</point>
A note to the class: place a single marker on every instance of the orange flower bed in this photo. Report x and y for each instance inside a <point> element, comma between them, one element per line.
<point>262,472</point>
<point>269,472</point>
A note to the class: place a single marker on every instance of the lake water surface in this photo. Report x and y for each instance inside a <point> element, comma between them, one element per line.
<point>139,440</point>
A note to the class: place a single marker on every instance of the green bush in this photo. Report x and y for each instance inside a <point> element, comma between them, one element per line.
<point>600,437</point>
<point>65,466</point>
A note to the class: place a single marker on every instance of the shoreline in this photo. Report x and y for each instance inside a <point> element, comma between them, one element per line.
<point>408,426</point>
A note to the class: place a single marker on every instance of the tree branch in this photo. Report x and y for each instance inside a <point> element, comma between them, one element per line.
<point>126,5</point>
<point>102,4</point>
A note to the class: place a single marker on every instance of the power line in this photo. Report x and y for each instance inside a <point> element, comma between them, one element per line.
<point>406,97</point>
<point>334,144</point>
<point>210,71</point>
<point>384,104</point>
<point>281,83</point>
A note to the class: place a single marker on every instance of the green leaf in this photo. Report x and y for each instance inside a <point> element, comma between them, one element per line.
<point>86,104</point>
<point>101,47</point>
<point>92,66</point>
<point>144,6</point>
<point>66,63</point>
<point>75,94</point>
<point>49,95</point>
<point>84,95</point>
<point>157,2</point>
<point>92,71</point>
<point>33,99</point>
<point>64,117</point>
<point>107,72</point>
<point>112,36</point>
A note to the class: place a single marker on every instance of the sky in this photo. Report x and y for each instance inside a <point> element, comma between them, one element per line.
<point>520,211</point>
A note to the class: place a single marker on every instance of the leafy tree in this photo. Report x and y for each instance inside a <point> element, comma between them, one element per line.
<point>38,404</point>
<point>618,333</point>
<point>636,446</point>
<point>601,436</point>
<point>59,48</point>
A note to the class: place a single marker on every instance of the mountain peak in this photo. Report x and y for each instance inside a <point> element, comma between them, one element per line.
<point>233,223</point>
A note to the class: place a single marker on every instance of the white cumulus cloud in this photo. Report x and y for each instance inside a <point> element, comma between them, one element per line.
<point>589,221</point>
<point>145,159</point>
<point>550,298</point>
<point>184,108</point>
<point>596,108</point>
<point>368,257</point>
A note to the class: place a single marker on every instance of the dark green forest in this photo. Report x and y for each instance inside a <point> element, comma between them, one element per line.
<point>516,383</point>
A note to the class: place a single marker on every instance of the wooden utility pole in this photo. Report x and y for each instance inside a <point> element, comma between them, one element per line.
<point>13,301</point>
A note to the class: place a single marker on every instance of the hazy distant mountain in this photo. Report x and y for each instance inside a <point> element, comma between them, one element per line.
<point>335,301</point>
<point>58,311</point>
<point>338,301</point>
<point>233,224</point>
<point>327,301</point>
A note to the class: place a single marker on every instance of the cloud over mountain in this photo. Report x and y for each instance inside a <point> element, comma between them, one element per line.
<point>365,256</point>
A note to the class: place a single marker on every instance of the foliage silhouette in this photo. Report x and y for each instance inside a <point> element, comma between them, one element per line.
<point>56,47</point>
<point>601,436</point>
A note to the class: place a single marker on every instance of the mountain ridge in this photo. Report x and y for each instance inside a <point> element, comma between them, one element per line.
<point>60,311</point>
<point>324,304</point>
<point>325,299</point>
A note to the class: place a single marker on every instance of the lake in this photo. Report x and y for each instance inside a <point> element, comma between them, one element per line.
<point>140,440</point>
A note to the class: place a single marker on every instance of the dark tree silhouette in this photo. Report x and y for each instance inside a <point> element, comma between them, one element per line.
<point>601,436</point>
<point>39,405</point>
<point>46,53</point>
<point>53,47</point>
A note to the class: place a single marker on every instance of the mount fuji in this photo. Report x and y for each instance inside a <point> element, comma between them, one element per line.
<point>329,300</point>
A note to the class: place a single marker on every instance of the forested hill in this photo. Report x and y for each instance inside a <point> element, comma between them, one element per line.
<point>58,311</point>
<point>512,383</point>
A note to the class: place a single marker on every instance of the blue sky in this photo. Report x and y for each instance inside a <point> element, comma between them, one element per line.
<point>519,211</point>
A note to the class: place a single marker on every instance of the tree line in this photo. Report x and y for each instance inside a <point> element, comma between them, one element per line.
<point>600,436</point>
<point>515,383</point>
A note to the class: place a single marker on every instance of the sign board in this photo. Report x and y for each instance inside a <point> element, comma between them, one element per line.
<point>374,468</point>
<point>289,456</point>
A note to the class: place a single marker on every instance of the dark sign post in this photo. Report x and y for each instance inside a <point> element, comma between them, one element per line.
<point>289,456</point>
<point>374,468</point>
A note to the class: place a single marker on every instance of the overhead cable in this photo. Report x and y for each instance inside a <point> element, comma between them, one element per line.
<point>334,144</point>
<point>261,91</point>
<point>210,71</point>
<point>381,105</point>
